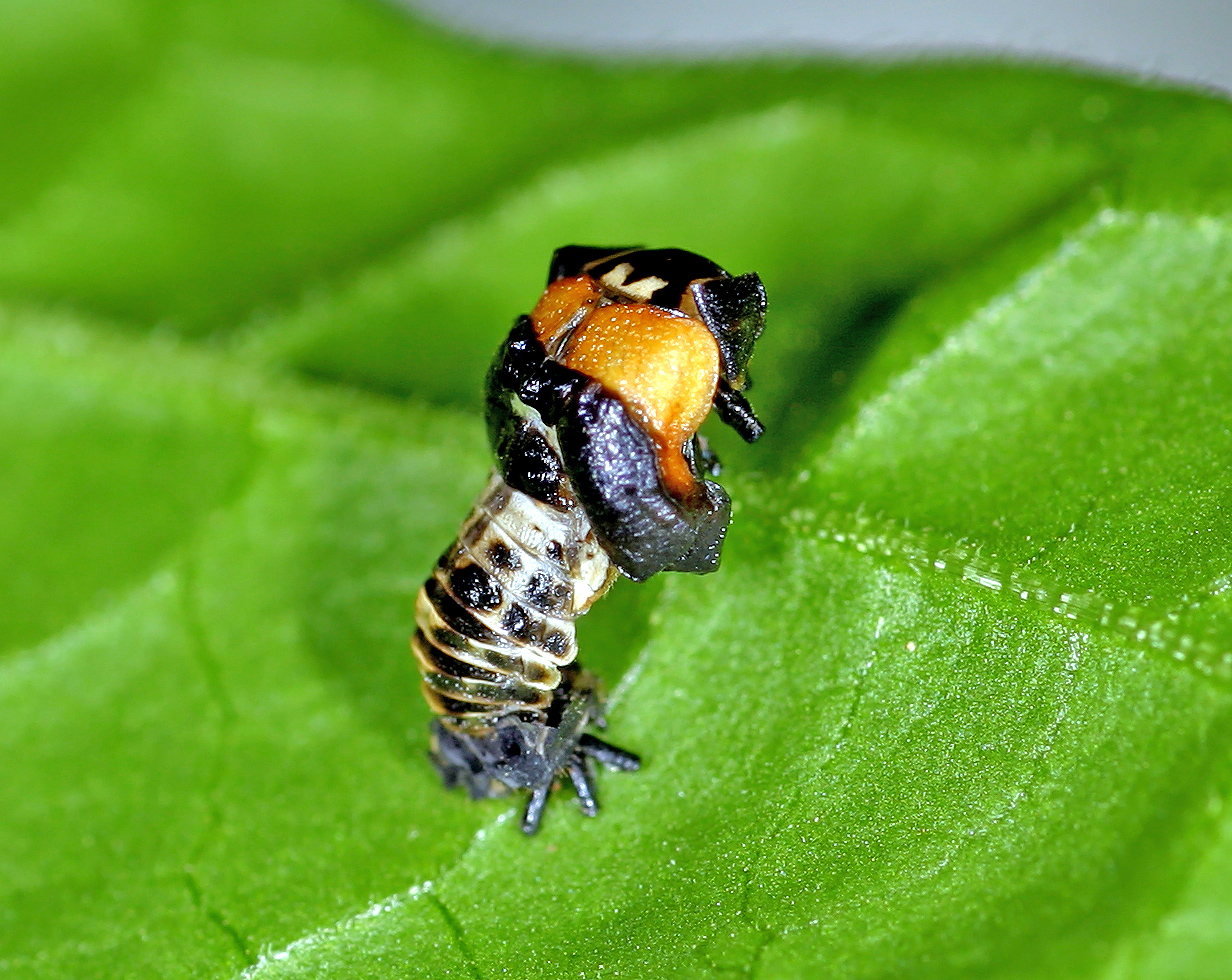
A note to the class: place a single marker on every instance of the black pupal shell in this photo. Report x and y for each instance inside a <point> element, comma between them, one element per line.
<point>522,368</point>
<point>734,310</point>
<point>675,268</point>
<point>613,468</point>
<point>571,260</point>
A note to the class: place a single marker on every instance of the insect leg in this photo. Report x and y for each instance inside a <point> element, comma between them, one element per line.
<point>534,808</point>
<point>609,755</point>
<point>583,783</point>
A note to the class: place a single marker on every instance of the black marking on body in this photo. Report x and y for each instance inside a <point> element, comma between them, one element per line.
<point>447,639</point>
<point>570,260</point>
<point>458,708</point>
<point>538,588</point>
<point>556,643</point>
<point>503,557</point>
<point>675,267</point>
<point>458,618</point>
<point>474,587</point>
<point>519,624</point>
<point>531,465</point>
<point>547,594</point>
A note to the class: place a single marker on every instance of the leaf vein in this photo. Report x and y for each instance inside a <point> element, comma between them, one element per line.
<point>1165,631</point>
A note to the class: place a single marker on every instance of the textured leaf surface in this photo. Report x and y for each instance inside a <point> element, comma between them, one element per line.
<point>957,703</point>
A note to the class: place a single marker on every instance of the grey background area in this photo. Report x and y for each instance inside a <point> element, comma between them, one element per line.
<point>1186,40</point>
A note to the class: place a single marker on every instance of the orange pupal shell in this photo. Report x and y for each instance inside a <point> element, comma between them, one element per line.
<point>563,305</point>
<point>663,365</point>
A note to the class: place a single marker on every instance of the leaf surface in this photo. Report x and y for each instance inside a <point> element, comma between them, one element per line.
<point>957,703</point>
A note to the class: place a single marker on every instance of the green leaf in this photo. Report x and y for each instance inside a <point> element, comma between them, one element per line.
<point>957,703</point>
<point>184,162</point>
<point>886,743</point>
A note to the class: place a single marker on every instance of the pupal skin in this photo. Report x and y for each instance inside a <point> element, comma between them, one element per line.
<point>593,404</point>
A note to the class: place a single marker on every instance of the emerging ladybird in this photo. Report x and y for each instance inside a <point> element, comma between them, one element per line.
<point>593,405</point>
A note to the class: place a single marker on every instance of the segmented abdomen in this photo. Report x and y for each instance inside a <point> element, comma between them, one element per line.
<point>496,619</point>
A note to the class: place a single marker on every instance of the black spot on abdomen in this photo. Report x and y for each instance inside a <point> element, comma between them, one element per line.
<point>501,557</point>
<point>458,617</point>
<point>546,593</point>
<point>518,623</point>
<point>474,587</point>
<point>556,643</point>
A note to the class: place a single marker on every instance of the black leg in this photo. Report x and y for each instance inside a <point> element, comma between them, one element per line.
<point>513,752</point>
<point>534,808</point>
<point>583,784</point>
<point>609,755</point>
<point>734,410</point>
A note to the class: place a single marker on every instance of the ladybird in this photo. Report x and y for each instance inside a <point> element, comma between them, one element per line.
<point>593,405</point>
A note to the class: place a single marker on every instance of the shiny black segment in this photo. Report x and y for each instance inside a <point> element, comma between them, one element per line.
<point>529,464</point>
<point>570,259</point>
<point>675,266</point>
<point>583,785</point>
<point>734,409</point>
<point>456,707</point>
<point>609,755</point>
<point>522,368</point>
<point>734,309</point>
<point>534,809</point>
<point>613,467</point>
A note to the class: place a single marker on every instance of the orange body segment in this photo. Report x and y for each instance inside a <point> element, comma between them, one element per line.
<point>563,304</point>
<point>663,365</point>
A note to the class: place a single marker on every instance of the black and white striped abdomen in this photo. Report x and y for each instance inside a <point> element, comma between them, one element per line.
<point>496,619</point>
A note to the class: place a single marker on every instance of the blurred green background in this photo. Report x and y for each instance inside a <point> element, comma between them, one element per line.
<point>956,705</point>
